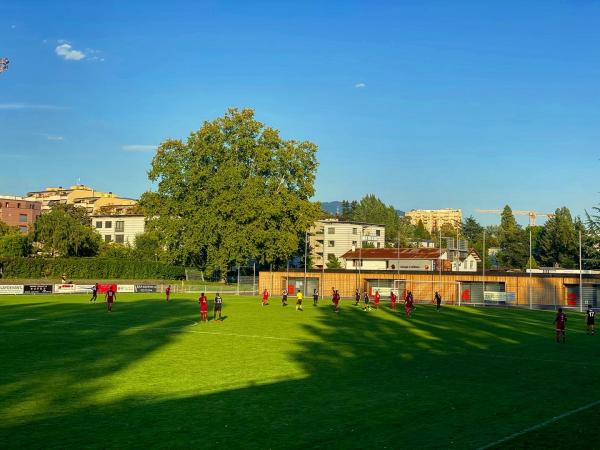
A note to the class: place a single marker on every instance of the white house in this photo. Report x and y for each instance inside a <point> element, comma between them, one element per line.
<point>417,259</point>
<point>467,263</point>
<point>121,229</point>
<point>334,237</point>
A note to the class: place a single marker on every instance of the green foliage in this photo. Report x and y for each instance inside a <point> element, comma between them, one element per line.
<point>148,247</point>
<point>558,242</point>
<point>235,190</point>
<point>61,233</point>
<point>14,244</point>
<point>78,213</point>
<point>421,232</point>
<point>513,242</point>
<point>371,209</point>
<point>333,262</point>
<point>114,250</point>
<point>88,268</point>
<point>471,230</point>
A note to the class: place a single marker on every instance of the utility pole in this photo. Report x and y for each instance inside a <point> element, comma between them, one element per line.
<point>530,299</point>
<point>305,259</point>
<point>580,276</point>
<point>483,282</point>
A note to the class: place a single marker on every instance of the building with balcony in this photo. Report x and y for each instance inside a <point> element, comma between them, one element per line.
<point>435,218</point>
<point>92,200</point>
<point>19,212</point>
<point>404,259</point>
<point>335,237</point>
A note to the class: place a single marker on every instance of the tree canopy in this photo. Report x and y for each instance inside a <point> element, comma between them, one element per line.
<point>234,190</point>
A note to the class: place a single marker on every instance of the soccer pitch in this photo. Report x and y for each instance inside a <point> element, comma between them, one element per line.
<point>148,375</point>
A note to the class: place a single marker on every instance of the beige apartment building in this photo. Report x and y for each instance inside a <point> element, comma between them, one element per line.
<point>435,218</point>
<point>335,237</point>
<point>92,200</point>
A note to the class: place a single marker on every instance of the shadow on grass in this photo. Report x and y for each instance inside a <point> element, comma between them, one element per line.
<point>374,380</point>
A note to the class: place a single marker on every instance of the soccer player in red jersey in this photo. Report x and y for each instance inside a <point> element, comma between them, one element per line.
<point>376,300</point>
<point>265,298</point>
<point>336,301</point>
<point>203,308</point>
<point>168,292</point>
<point>561,322</point>
<point>392,300</point>
<point>408,304</point>
<point>110,297</point>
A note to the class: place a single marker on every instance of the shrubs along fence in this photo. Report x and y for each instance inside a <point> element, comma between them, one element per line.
<point>88,268</point>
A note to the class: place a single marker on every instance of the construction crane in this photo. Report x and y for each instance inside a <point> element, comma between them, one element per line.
<point>533,215</point>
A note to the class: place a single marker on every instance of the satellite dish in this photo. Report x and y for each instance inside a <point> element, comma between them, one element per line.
<point>4,64</point>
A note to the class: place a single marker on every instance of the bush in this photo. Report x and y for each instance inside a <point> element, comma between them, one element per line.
<point>88,268</point>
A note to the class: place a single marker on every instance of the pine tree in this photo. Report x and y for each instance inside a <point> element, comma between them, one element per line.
<point>513,242</point>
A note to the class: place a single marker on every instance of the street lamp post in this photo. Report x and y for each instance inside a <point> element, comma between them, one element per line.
<point>483,281</point>
<point>305,258</point>
<point>580,276</point>
<point>530,275</point>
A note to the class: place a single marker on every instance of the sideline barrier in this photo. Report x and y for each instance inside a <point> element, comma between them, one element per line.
<point>146,288</point>
<point>37,289</point>
<point>64,288</point>
<point>11,289</point>
<point>125,288</point>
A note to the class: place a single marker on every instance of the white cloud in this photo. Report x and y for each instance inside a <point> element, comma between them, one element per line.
<point>360,85</point>
<point>51,137</point>
<point>27,106</point>
<point>139,148</point>
<point>66,51</point>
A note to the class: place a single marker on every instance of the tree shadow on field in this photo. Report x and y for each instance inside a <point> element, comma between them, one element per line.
<point>373,380</point>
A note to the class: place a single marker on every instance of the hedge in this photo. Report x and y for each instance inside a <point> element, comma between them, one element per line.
<point>88,268</point>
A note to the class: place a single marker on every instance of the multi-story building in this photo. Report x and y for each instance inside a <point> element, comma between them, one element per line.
<point>19,212</point>
<point>418,259</point>
<point>92,200</point>
<point>122,228</point>
<point>335,237</point>
<point>435,218</point>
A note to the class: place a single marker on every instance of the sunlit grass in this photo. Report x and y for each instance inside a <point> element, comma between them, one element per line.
<point>149,375</point>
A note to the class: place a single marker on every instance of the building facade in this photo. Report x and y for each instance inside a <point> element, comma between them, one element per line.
<point>90,199</point>
<point>121,229</point>
<point>19,212</point>
<point>335,237</point>
<point>435,218</point>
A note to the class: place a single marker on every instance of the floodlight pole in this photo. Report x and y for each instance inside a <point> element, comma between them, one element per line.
<point>530,275</point>
<point>580,276</point>
<point>305,258</point>
<point>483,281</point>
<point>360,257</point>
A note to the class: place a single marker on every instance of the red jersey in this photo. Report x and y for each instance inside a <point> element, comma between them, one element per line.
<point>376,300</point>
<point>393,297</point>
<point>168,291</point>
<point>560,321</point>
<point>110,296</point>
<point>336,298</point>
<point>203,304</point>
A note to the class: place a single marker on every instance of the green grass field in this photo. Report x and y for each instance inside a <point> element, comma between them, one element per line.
<point>148,376</point>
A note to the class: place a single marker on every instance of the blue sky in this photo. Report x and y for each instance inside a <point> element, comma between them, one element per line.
<point>426,104</point>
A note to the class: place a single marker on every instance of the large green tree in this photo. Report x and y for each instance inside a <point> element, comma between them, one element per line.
<point>13,243</point>
<point>559,241</point>
<point>471,230</point>
<point>233,190</point>
<point>62,234</point>
<point>514,249</point>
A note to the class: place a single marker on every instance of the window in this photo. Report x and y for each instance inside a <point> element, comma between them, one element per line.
<point>354,231</point>
<point>471,264</point>
<point>377,232</point>
<point>120,226</point>
<point>331,230</point>
<point>98,224</point>
<point>108,238</point>
<point>23,218</point>
<point>330,243</point>
<point>108,224</point>
<point>18,205</point>
<point>354,243</point>
<point>23,228</point>
<point>378,244</point>
<point>119,238</point>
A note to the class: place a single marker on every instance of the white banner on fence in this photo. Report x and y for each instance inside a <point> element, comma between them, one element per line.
<point>491,296</point>
<point>64,288</point>
<point>83,288</point>
<point>14,289</point>
<point>126,288</point>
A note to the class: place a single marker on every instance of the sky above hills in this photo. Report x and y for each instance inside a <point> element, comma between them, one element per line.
<point>427,104</point>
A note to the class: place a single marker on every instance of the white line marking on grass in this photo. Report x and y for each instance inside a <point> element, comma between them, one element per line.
<point>31,319</point>
<point>540,425</point>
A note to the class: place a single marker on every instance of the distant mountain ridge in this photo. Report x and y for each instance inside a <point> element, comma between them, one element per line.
<point>335,207</point>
